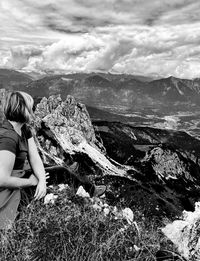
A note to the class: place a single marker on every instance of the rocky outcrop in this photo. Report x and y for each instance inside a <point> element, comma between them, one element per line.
<point>155,169</point>
<point>167,180</point>
<point>65,134</point>
<point>184,233</point>
<point>70,115</point>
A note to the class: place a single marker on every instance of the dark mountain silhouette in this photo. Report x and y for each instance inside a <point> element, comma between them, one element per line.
<point>111,92</point>
<point>10,79</point>
<point>175,89</point>
<point>130,94</point>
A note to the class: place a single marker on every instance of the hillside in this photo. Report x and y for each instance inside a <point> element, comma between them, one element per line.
<point>121,94</point>
<point>10,79</point>
<point>110,92</point>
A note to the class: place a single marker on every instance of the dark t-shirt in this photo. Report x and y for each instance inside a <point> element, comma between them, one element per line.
<point>11,141</point>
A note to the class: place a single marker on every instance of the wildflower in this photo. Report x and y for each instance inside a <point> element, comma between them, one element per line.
<point>106,211</point>
<point>50,198</point>
<point>62,186</point>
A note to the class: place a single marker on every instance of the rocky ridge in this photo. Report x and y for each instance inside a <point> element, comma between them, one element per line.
<point>64,129</point>
<point>142,166</point>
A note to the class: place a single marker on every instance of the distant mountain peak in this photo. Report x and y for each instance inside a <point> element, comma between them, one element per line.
<point>172,78</point>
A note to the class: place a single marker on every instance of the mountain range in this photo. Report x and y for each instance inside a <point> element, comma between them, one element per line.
<point>111,92</point>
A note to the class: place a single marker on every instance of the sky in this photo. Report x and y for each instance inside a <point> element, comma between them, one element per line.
<point>155,38</point>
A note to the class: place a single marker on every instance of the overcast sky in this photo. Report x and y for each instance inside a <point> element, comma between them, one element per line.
<point>146,37</point>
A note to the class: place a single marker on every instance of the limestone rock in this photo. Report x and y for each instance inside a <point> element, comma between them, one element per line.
<point>167,164</point>
<point>184,233</point>
<point>67,117</point>
<point>64,132</point>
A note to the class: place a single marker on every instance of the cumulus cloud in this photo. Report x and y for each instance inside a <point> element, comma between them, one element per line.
<point>70,54</point>
<point>110,54</point>
<point>130,36</point>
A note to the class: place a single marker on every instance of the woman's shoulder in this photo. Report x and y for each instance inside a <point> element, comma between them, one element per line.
<point>7,131</point>
<point>9,140</point>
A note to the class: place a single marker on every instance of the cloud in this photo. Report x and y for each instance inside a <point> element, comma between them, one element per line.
<point>18,57</point>
<point>130,36</point>
<point>109,55</point>
<point>70,54</point>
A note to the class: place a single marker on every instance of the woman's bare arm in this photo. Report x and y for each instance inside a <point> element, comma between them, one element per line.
<point>7,160</point>
<point>38,169</point>
<point>35,160</point>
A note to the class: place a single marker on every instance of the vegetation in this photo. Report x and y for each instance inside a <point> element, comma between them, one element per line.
<point>73,228</point>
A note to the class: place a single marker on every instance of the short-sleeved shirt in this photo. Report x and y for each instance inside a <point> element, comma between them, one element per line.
<point>10,140</point>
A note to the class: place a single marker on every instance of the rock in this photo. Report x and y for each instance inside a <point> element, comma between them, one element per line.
<point>50,198</point>
<point>166,173</point>
<point>184,233</point>
<point>127,213</point>
<point>65,133</point>
<point>67,117</point>
<point>82,193</point>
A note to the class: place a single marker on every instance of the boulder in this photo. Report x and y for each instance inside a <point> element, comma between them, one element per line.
<point>184,233</point>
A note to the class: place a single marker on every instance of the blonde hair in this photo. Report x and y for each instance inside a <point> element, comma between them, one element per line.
<point>18,107</point>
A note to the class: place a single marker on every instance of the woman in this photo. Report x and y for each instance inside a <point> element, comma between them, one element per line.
<point>17,144</point>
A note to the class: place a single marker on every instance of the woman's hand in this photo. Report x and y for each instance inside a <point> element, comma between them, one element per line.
<point>41,188</point>
<point>33,180</point>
